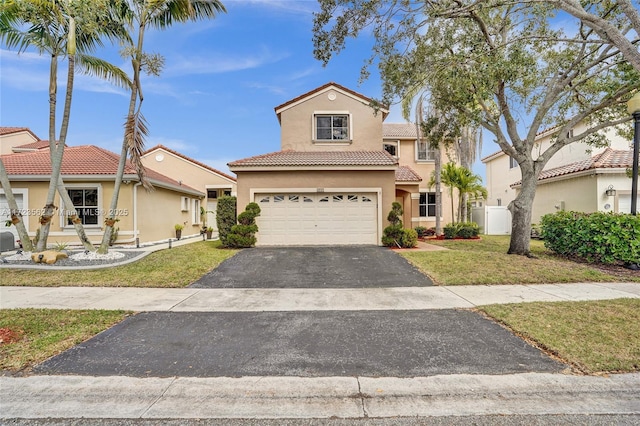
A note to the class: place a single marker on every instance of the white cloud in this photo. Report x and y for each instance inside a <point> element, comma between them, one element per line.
<point>221,63</point>
<point>175,144</point>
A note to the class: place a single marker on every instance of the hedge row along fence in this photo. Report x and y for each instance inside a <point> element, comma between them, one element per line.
<point>595,237</point>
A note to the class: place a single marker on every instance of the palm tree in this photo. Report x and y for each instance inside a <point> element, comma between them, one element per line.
<point>467,184</point>
<point>449,177</point>
<point>51,27</point>
<point>139,15</point>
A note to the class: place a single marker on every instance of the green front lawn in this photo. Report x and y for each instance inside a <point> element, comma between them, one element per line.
<point>176,267</point>
<point>485,261</point>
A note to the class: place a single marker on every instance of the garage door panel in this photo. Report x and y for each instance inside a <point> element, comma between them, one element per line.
<point>317,219</point>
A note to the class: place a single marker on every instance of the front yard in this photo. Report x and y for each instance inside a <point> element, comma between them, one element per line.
<point>594,336</point>
<point>485,261</point>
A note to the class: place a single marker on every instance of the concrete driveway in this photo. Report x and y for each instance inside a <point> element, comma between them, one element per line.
<point>315,267</point>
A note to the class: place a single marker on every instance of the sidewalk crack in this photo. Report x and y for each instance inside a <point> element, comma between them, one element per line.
<point>362,398</point>
<point>162,394</point>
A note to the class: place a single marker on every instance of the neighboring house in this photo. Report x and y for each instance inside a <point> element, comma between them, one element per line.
<point>195,174</point>
<point>89,174</point>
<point>576,178</point>
<point>339,170</point>
<point>17,139</point>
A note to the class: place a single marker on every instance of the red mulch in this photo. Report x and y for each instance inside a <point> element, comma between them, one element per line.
<point>9,336</point>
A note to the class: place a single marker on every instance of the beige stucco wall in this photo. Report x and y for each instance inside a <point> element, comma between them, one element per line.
<point>157,212</point>
<point>297,123</point>
<point>499,179</point>
<point>562,194</point>
<point>325,179</point>
<point>8,142</point>
<point>189,173</point>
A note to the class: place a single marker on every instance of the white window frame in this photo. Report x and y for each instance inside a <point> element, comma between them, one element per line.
<point>63,216</point>
<point>314,129</point>
<point>429,153</point>
<point>426,204</point>
<point>513,163</point>
<point>395,143</point>
<point>25,206</point>
<point>195,212</point>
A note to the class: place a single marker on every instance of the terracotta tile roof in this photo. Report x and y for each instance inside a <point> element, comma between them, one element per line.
<point>11,130</point>
<point>80,161</point>
<point>608,159</point>
<point>407,174</point>
<point>34,145</point>
<point>189,159</point>
<point>399,130</point>
<point>318,158</point>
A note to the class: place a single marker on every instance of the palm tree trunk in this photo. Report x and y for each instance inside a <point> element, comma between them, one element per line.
<point>55,152</point>
<point>16,215</point>
<point>135,92</point>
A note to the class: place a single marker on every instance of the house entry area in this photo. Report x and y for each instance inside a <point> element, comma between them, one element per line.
<point>321,218</point>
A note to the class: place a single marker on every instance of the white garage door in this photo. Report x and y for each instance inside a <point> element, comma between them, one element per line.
<point>317,219</point>
<point>624,203</point>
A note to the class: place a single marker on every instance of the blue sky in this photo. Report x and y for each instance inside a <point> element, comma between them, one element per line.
<point>215,97</point>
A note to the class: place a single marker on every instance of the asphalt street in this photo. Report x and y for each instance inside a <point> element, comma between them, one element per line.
<point>303,344</point>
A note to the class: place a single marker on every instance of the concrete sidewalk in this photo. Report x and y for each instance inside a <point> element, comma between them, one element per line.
<point>258,300</point>
<point>345,397</point>
<point>319,397</point>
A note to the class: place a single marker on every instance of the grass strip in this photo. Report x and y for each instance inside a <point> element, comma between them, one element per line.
<point>486,261</point>
<point>176,267</point>
<point>595,336</point>
<point>30,336</point>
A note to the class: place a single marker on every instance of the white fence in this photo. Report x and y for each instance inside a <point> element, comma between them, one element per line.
<point>493,220</point>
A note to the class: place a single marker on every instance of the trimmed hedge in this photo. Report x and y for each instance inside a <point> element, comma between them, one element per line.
<point>466,230</point>
<point>225,217</point>
<point>395,235</point>
<point>243,234</point>
<point>595,237</point>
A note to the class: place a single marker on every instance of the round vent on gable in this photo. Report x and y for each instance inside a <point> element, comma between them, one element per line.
<point>331,96</point>
<point>159,157</point>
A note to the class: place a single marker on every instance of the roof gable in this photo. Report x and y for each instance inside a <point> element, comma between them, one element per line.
<point>161,147</point>
<point>325,88</point>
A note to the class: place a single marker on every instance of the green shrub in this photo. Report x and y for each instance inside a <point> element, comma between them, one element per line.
<point>450,231</point>
<point>243,234</point>
<point>468,230</point>
<point>225,216</point>
<point>461,230</point>
<point>409,238</point>
<point>395,235</point>
<point>392,236</point>
<point>595,237</point>
<point>421,231</point>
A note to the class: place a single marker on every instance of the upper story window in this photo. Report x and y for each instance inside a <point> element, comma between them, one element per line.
<point>392,147</point>
<point>332,127</point>
<point>427,204</point>
<point>423,152</point>
<point>513,163</point>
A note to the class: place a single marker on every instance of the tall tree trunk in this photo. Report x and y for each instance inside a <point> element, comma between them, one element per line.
<point>135,93</point>
<point>55,153</point>
<point>16,214</point>
<point>438,179</point>
<point>521,208</point>
<point>75,220</point>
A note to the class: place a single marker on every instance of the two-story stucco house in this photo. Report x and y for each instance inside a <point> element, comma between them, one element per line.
<point>338,172</point>
<point>579,177</point>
